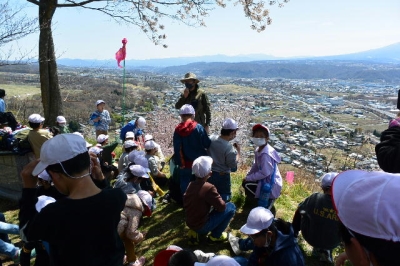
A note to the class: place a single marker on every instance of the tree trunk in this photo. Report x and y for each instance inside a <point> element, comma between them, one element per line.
<point>51,95</point>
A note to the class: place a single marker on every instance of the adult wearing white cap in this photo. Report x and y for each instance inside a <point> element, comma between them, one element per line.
<point>317,220</point>
<point>201,197</point>
<point>71,226</point>
<point>197,98</point>
<point>136,126</point>
<point>37,136</point>
<point>100,118</point>
<point>367,204</point>
<point>225,156</point>
<point>271,240</point>
<point>190,141</point>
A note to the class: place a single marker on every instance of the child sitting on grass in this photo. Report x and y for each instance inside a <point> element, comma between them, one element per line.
<point>205,209</point>
<point>136,205</point>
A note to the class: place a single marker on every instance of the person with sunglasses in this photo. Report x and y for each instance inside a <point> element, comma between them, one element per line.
<point>272,241</point>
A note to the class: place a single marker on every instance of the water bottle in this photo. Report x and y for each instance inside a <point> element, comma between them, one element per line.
<point>265,192</point>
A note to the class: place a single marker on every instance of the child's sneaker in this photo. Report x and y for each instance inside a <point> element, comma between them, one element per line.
<point>138,262</point>
<point>193,237</point>
<point>203,257</point>
<point>223,237</point>
<point>234,242</point>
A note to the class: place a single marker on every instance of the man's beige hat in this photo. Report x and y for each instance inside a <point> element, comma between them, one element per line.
<point>188,76</point>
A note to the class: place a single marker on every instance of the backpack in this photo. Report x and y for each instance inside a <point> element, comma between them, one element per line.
<point>22,139</point>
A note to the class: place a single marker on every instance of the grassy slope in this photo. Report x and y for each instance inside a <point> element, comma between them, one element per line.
<point>167,226</point>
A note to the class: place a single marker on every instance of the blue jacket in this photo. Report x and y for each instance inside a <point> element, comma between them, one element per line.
<point>104,121</point>
<point>285,252</point>
<point>193,139</point>
<point>131,126</point>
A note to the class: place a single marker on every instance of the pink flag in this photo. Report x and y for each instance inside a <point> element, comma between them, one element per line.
<point>290,177</point>
<point>121,54</point>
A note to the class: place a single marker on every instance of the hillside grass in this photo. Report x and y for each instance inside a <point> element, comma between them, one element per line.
<point>167,224</point>
<point>20,90</point>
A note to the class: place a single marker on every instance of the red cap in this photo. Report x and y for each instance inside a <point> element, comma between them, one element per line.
<point>163,257</point>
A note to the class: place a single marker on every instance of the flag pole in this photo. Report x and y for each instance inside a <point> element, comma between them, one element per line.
<point>123,97</point>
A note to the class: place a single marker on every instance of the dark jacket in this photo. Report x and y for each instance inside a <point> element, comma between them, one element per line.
<point>199,100</point>
<point>190,142</point>
<point>319,223</point>
<point>388,150</point>
<point>285,252</point>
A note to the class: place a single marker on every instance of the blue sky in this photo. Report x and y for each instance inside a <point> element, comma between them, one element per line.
<point>300,28</point>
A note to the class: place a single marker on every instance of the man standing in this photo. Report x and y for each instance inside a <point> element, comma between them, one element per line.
<point>197,98</point>
<point>37,136</point>
<point>225,158</point>
<point>190,142</point>
<point>100,118</point>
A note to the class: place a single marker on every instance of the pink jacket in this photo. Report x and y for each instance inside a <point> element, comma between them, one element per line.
<point>130,218</point>
<point>262,168</point>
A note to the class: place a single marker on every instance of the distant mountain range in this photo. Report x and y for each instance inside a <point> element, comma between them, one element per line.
<point>387,54</point>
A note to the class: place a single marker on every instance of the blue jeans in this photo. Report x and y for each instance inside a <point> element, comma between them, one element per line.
<point>218,221</point>
<point>5,247</point>
<point>223,184</point>
<point>185,177</point>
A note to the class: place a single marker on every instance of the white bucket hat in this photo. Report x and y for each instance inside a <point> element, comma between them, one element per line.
<point>99,102</point>
<point>138,170</point>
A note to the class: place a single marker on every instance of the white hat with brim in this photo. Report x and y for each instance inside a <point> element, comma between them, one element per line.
<point>61,119</point>
<point>71,145</point>
<point>259,219</point>
<point>141,122</point>
<point>149,145</point>
<point>101,138</point>
<point>130,144</point>
<point>99,102</point>
<point>129,135</point>
<point>189,76</point>
<point>327,179</point>
<point>368,203</point>
<point>229,123</point>
<point>36,118</point>
<point>138,171</point>
<point>219,260</point>
<point>148,137</point>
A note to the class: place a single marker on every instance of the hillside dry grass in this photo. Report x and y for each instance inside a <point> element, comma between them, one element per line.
<point>167,224</point>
